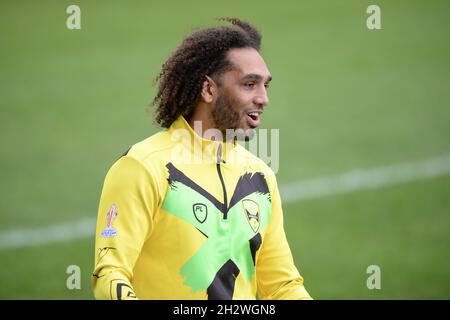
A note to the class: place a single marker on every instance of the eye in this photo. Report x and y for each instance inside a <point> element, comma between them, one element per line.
<point>250,84</point>
<point>266,85</point>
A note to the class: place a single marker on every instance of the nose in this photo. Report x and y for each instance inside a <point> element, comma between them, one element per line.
<point>262,99</point>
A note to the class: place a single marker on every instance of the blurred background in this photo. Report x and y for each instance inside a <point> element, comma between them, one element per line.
<point>364,119</point>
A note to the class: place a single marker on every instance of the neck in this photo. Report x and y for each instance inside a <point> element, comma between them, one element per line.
<point>203,124</point>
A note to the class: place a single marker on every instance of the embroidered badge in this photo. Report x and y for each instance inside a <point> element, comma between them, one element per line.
<point>200,211</point>
<point>109,231</point>
<point>251,210</point>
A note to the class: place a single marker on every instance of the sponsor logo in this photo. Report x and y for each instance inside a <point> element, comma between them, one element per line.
<point>109,231</point>
<point>200,212</point>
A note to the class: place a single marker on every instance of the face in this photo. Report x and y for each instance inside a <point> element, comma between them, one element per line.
<point>242,92</point>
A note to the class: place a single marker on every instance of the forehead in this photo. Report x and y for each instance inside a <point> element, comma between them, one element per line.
<point>247,61</point>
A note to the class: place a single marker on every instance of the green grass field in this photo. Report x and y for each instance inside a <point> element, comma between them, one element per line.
<point>344,97</point>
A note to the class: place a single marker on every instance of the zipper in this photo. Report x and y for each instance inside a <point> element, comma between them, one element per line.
<point>219,172</point>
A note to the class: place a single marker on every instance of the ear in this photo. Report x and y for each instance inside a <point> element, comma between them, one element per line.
<point>209,90</point>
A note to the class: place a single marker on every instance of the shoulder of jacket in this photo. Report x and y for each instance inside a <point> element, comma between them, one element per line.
<point>255,162</point>
<point>155,146</point>
<point>152,153</point>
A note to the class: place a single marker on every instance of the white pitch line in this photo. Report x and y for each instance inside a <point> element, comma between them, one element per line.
<point>360,179</point>
<point>19,238</point>
<point>295,191</point>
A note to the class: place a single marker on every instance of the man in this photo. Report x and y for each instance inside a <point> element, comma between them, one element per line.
<point>191,214</point>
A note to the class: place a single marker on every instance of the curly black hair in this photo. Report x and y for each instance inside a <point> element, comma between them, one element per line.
<point>201,54</point>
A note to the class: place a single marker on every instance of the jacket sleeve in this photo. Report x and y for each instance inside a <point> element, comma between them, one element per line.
<point>128,201</point>
<point>277,276</point>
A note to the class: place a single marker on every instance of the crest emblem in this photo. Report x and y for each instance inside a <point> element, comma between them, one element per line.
<point>200,212</point>
<point>251,209</point>
<point>109,231</point>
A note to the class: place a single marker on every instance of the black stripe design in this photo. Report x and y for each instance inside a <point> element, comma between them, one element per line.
<point>222,287</point>
<point>255,243</point>
<point>246,185</point>
<point>177,175</point>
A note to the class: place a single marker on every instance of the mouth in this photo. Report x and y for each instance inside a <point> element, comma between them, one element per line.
<point>253,118</point>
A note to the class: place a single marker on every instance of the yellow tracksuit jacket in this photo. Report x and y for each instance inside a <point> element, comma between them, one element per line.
<point>182,217</point>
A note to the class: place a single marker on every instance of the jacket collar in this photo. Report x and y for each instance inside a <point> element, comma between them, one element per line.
<point>196,148</point>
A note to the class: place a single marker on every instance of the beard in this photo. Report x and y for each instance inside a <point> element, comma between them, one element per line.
<point>227,119</point>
